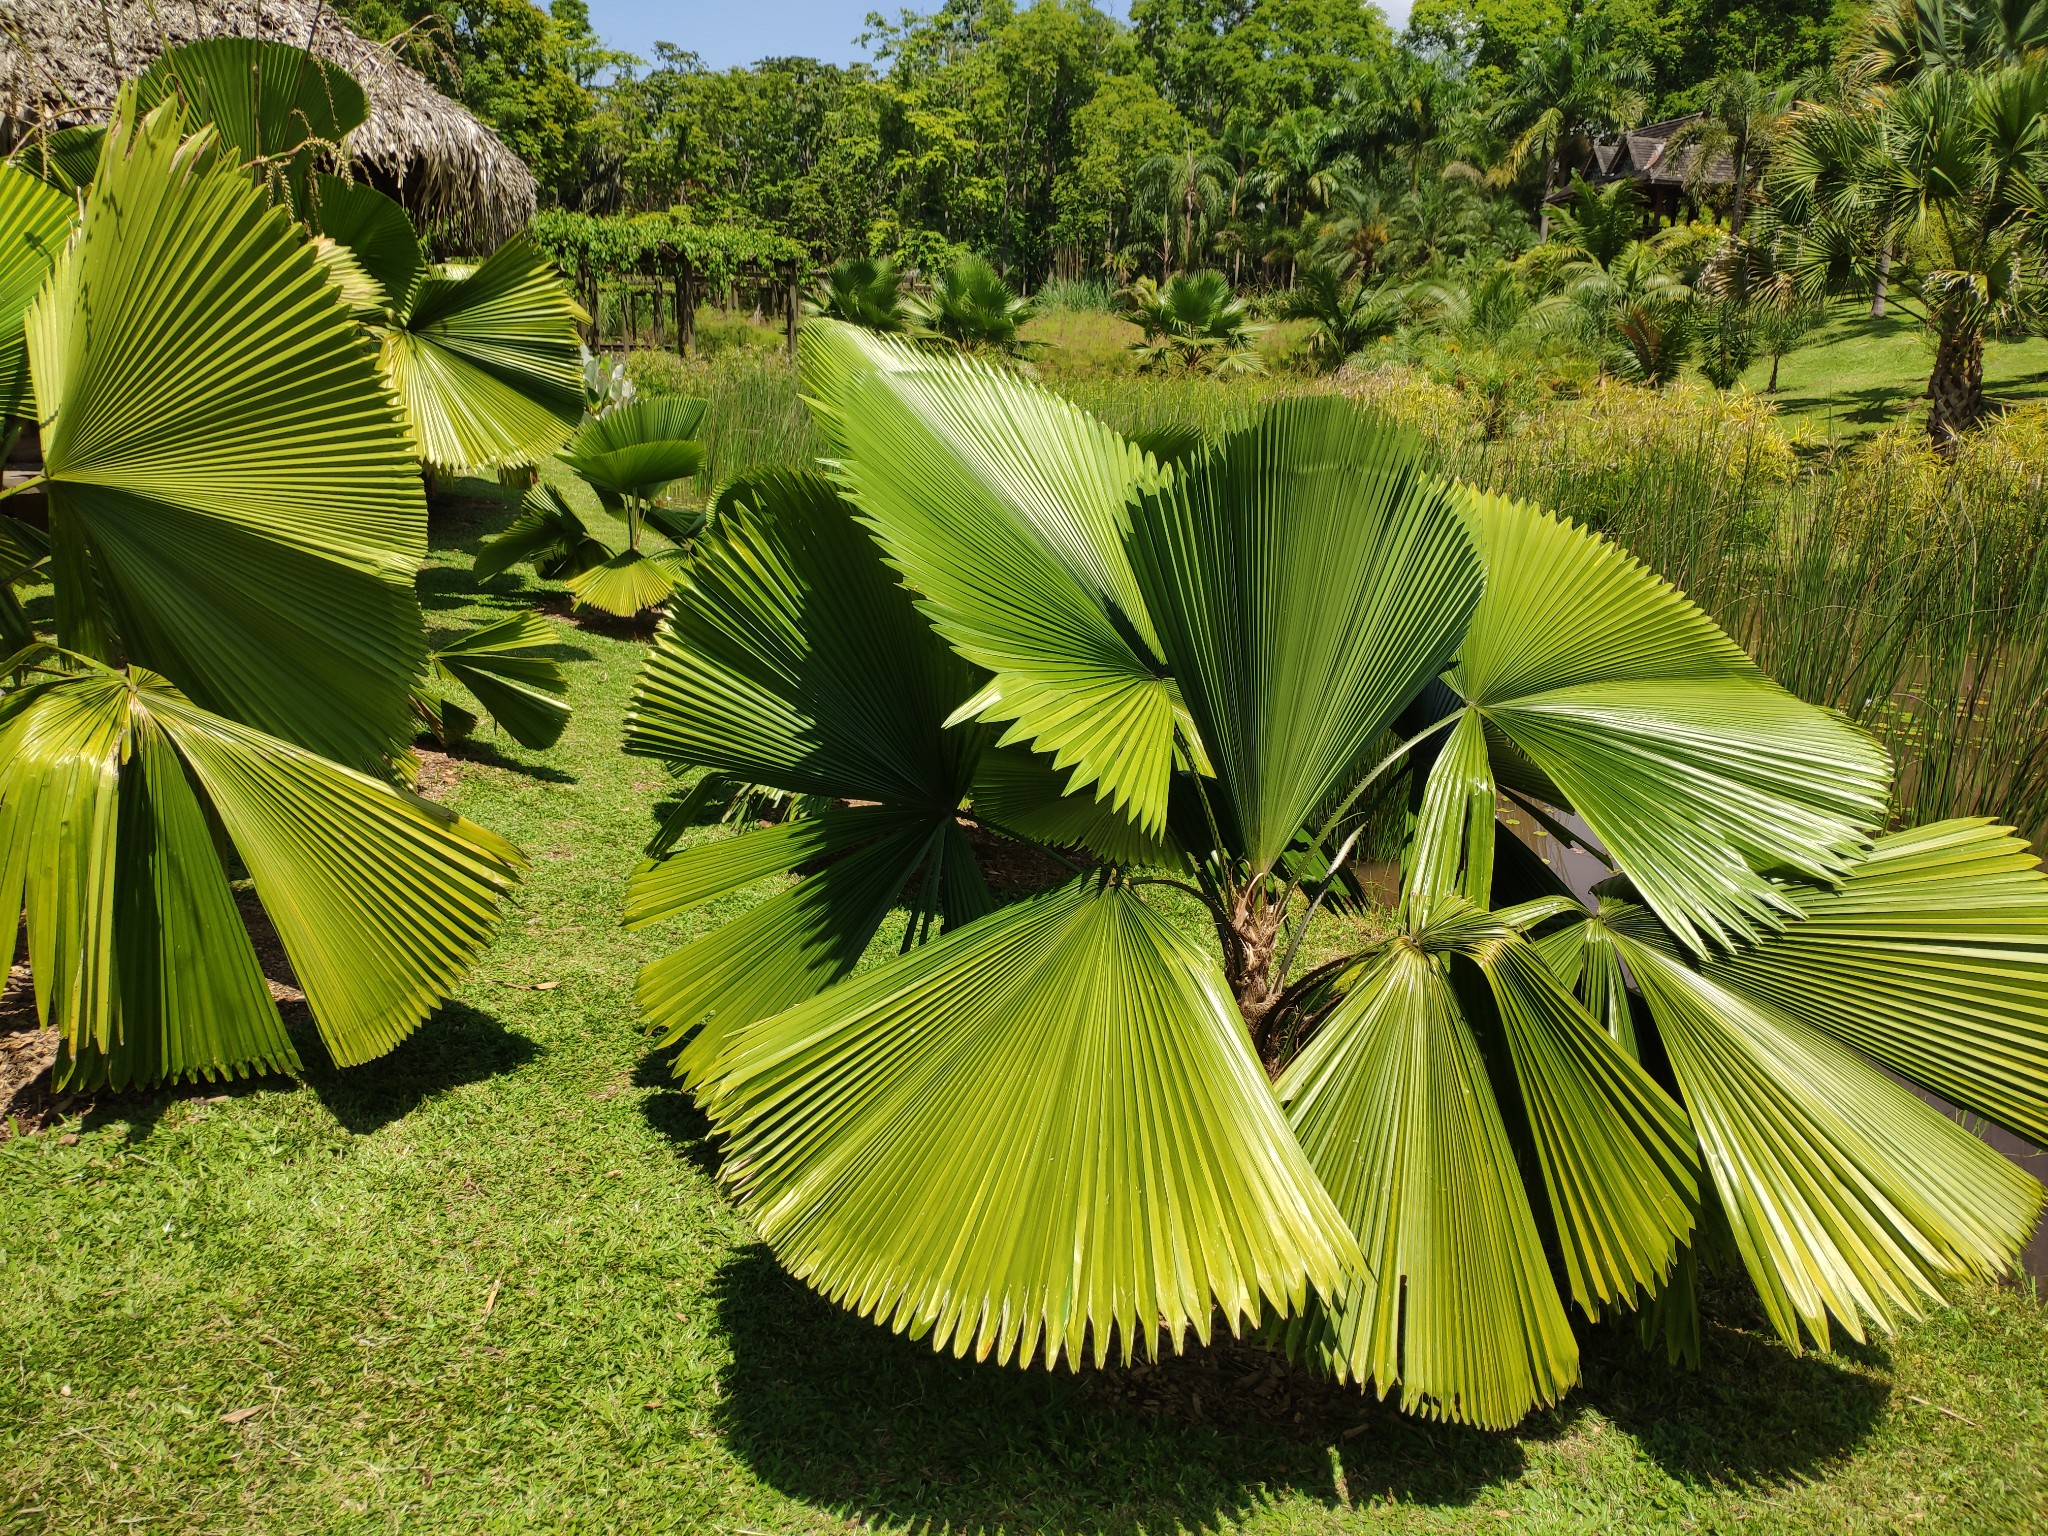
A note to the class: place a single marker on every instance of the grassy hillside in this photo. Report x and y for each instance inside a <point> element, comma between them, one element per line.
<point>1856,374</point>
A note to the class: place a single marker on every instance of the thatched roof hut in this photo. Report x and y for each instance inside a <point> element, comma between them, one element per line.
<point>62,62</point>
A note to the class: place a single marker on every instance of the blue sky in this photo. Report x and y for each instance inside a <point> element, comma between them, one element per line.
<point>728,32</point>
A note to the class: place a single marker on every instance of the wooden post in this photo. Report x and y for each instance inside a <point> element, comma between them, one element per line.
<point>686,308</point>
<point>789,304</point>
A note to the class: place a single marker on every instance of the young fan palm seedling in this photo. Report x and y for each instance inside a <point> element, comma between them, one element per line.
<point>1065,1128</point>
<point>627,458</point>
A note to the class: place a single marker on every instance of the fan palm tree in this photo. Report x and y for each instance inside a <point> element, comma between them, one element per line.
<point>234,521</point>
<point>861,290</point>
<point>1949,168</point>
<point>1062,1128</point>
<point>625,460</point>
<point>972,307</point>
<point>1193,320</point>
<point>1899,39</point>
<point>486,360</point>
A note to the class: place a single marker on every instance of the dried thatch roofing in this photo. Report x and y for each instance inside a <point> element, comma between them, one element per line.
<point>62,61</point>
<point>1644,156</point>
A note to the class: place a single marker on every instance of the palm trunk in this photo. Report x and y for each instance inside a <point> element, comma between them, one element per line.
<point>1882,285</point>
<point>1736,209</point>
<point>1772,387</point>
<point>1955,390</point>
<point>1543,211</point>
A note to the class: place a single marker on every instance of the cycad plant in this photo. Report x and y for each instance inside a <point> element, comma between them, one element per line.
<point>1193,320</point>
<point>232,517</point>
<point>1081,1125</point>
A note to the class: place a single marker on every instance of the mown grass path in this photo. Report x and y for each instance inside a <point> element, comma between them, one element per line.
<point>489,1285</point>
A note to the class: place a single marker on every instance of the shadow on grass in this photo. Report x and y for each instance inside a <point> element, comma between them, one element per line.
<point>838,1412</point>
<point>457,1044</point>
<point>673,1114</point>
<point>1753,1412</point>
<point>481,750</point>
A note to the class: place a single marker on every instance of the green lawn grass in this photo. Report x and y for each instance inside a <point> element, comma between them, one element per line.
<point>488,1284</point>
<point>1855,374</point>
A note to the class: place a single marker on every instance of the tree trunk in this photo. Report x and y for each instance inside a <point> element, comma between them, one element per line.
<point>1549,186</point>
<point>1955,390</point>
<point>1772,387</point>
<point>1882,285</point>
<point>1736,209</point>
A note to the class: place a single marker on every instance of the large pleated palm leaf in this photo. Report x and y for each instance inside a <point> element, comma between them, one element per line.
<point>35,221</point>
<point>111,783</point>
<point>278,108</point>
<point>232,506</point>
<point>234,521</point>
<point>1038,1137</point>
<point>486,361</point>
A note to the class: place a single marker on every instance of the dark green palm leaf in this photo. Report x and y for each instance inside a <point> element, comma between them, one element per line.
<point>506,669</point>
<point>793,660</point>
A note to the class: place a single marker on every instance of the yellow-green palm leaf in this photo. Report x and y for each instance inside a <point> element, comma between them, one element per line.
<point>110,786</point>
<point>224,466</point>
<point>1634,709</point>
<point>1004,507</point>
<point>1043,1135</point>
<point>488,363</point>
<point>35,221</point>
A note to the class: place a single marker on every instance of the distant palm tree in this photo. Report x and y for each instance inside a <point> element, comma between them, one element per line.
<point>1188,185</point>
<point>1436,222</point>
<point>1600,222</point>
<point>1398,108</point>
<point>973,308</point>
<point>1358,225</point>
<point>1566,89</point>
<point>1193,320</point>
<point>1739,120</point>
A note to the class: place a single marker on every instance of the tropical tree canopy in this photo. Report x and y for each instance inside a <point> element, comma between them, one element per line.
<point>1090,1122</point>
